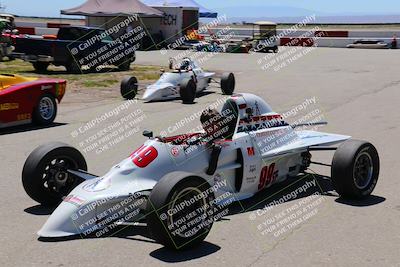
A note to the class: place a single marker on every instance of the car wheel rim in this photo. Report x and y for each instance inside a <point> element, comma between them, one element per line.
<point>363,170</point>
<point>55,176</point>
<point>180,211</point>
<point>46,108</point>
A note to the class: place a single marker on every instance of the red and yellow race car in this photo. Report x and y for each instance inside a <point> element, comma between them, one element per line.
<point>25,99</point>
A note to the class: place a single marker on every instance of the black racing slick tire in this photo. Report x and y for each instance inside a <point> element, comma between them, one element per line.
<point>129,87</point>
<point>44,176</point>
<point>73,67</point>
<point>45,110</point>
<point>179,211</point>
<point>355,169</point>
<point>228,83</point>
<point>125,66</point>
<point>188,91</point>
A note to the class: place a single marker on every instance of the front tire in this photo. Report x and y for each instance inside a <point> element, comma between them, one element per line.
<point>188,91</point>
<point>129,88</point>
<point>355,169</point>
<point>45,111</point>
<point>171,221</point>
<point>44,175</point>
<point>228,83</point>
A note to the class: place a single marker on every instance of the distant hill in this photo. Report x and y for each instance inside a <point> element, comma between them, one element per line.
<point>266,11</point>
<point>284,14</point>
<point>367,19</point>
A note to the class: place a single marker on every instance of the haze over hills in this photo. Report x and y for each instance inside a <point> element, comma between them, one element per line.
<point>367,19</point>
<point>285,14</point>
<point>266,11</point>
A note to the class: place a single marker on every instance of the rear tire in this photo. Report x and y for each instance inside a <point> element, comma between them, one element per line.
<point>129,88</point>
<point>45,111</point>
<point>228,83</point>
<point>40,66</point>
<point>125,66</point>
<point>44,175</point>
<point>188,91</point>
<point>168,224</point>
<point>355,169</point>
<point>73,67</point>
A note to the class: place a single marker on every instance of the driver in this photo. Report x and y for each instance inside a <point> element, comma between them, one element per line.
<point>216,128</point>
<point>214,125</point>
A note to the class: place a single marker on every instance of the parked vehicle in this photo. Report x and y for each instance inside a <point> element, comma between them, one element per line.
<point>75,47</point>
<point>237,47</point>
<point>10,19</point>
<point>212,46</point>
<point>369,44</point>
<point>264,37</point>
<point>7,28</point>
<point>6,47</point>
<point>24,100</point>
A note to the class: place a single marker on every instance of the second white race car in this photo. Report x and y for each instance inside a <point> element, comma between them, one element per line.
<point>185,80</point>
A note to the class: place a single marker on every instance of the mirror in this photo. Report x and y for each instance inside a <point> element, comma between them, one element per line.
<point>249,114</point>
<point>148,134</point>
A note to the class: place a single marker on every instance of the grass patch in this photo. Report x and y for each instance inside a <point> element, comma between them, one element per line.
<point>107,79</point>
<point>99,83</point>
<point>15,67</point>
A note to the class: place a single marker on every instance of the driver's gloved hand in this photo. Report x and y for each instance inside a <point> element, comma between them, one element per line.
<point>213,164</point>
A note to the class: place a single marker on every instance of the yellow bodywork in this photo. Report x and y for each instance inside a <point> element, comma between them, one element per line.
<point>7,80</point>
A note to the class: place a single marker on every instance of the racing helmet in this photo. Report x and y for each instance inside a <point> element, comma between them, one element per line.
<point>185,65</point>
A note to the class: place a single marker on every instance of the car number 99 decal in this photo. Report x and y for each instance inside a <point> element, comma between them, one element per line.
<point>268,176</point>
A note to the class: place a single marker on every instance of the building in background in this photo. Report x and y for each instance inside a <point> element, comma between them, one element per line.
<point>168,20</point>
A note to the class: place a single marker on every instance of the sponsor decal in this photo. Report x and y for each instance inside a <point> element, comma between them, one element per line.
<point>97,185</point>
<point>175,151</point>
<point>251,179</point>
<point>250,151</point>
<point>265,118</point>
<point>60,89</point>
<point>23,116</point>
<point>252,168</point>
<point>47,87</point>
<point>74,200</point>
<point>9,106</point>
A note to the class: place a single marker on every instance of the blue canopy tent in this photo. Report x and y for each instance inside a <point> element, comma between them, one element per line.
<point>203,12</point>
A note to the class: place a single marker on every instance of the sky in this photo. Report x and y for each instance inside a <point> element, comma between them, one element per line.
<point>51,8</point>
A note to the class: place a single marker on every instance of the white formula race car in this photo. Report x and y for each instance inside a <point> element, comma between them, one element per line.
<point>180,184</point>
<point>185,81</point>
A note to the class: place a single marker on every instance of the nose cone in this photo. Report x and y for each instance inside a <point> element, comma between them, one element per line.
<point>151,94</point>
<point>65,221</point>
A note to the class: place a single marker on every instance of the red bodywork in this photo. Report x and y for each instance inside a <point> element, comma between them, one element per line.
<point>18,101</point>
